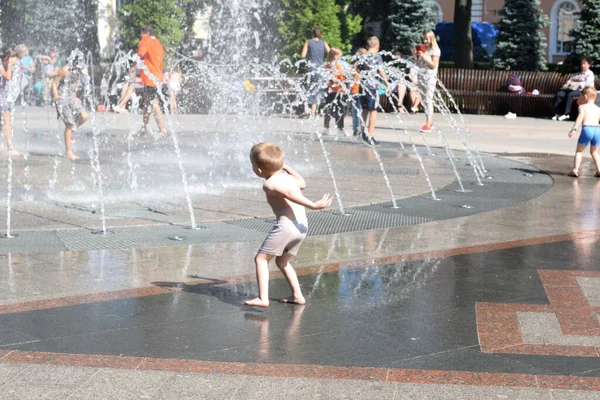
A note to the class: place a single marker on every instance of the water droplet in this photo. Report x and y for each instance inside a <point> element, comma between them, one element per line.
<point>466,206</point>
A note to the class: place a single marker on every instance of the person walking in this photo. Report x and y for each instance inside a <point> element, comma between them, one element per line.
<point>314,51</point>
<point>151,52</point>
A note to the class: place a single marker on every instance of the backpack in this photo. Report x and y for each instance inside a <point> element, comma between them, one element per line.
<point>514,84</point>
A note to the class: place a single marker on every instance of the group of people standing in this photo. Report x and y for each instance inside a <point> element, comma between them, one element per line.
<point>63,85</point>
<point>360,85</point>
<point>16,78</point>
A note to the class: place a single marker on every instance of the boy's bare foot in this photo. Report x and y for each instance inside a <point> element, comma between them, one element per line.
<point>294,300</point>
<point>257,302</point>
<point>15,153</point>
<point>71,156</point>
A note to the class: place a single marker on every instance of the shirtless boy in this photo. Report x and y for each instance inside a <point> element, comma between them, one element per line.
<point>589,119</point>
<point>283,187</point>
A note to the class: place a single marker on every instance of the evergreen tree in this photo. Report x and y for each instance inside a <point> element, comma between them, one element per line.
<point>300,17</point>
<point>520,44</point>
<point>409,19</point>
<point>165,16</point>
<point>587,33</point>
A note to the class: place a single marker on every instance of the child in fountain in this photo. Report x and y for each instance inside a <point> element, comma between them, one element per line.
<point>69,106</point>
<point>283,187</point>
<point>589,119</point>
<point>335,103</point>
<point>9,57</point>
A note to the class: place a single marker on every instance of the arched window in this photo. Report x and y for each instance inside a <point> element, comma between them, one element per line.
<point>437,12</point>
<point>564,17</point>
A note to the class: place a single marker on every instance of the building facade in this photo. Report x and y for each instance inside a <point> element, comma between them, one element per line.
<point>561,13</point>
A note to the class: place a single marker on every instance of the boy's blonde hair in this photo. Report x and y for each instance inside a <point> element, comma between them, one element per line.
<point>334,52</point>
<point>361,52</point>
<point>589,92</point>
<point>372,42</point>
<point>267,156</point>
<point>431,36</point>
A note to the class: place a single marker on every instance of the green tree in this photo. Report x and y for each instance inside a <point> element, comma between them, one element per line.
<point>190,10</point>
<point>520,44</point>
<point>408,20</point>
<point>64,24</point>
<point>300,17</point>
<point>373,11</point>
<point>587,34</point>
<point>165,16</point>
<point>350,24</point>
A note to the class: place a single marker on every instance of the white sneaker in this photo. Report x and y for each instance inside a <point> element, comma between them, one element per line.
<point>120,110</point>
<point>510,116</point>
<point>343,132</point>
<point>563,118</point>
<point>555,118</point>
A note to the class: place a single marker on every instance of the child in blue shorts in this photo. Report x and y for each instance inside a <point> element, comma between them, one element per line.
<point>589,119</point>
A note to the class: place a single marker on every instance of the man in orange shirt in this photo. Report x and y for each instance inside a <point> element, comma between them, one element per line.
<point>151,52</point>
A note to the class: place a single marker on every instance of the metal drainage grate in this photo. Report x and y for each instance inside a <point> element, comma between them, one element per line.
<point>156,236</point>
<point>377,171</point>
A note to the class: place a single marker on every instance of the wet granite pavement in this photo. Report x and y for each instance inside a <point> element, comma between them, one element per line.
<point>500,304</point>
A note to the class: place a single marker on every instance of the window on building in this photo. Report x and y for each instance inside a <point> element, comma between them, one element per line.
<point>565,19</point>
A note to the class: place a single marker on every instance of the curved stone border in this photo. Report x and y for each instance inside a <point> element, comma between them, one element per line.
<point>507,183</point>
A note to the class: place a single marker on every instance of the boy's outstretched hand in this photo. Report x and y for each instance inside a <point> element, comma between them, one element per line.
<point>324,202</point>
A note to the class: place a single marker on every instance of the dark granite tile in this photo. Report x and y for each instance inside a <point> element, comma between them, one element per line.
<point>10,336</point>
<point>70,320</point>
<point>173,306</point>
<point>556,364</point>
<point>468,359</point>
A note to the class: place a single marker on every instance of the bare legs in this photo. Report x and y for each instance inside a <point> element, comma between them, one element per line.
<point>579,157</point>
<point>69,136</point>
<point>126,95</point>
<point>596,158</point>
<point>283,263</point>
<point>372,117</point>
<point>262,276</point>
<point>173,105</point>
<point>7,134</point>
<point>415,99</point>
<point>155,107</point>
<point>401,94</point>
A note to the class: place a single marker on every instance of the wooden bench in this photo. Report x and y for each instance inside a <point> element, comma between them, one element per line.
<point>486,92</point>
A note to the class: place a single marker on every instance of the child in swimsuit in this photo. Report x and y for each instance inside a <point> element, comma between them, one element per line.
<point>283,187</point>
<point>589,118</point>
<point>9,57</point>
